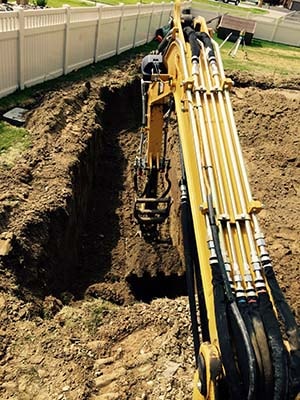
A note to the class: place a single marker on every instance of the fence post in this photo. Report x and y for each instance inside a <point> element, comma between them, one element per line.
<point>97,41</point>
<point>21,66</point>
<point>171,9</point>
<point>67,38</point>
<point>136,23</point>
<point>150,22</point>
<point>275,28</point>
<point>161,14</point>
<point>120,29</point>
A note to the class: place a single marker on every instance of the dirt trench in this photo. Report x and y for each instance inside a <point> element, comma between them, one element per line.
<point>86,234</point>
<point>88,309</point>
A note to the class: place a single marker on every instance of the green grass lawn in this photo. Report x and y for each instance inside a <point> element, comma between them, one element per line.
<point>90,3</point>
<point>230,7</point>
<point>71,3</point>
<point>263,57</point>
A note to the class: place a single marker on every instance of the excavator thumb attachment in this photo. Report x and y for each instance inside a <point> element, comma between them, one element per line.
<point>150,211</point>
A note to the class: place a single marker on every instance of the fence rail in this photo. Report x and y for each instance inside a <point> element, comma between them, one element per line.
<point>38,45</point>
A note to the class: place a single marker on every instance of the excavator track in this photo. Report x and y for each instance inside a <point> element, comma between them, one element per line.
<point>242,351</point>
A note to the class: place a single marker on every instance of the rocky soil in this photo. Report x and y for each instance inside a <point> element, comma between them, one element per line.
<point>88,309</point>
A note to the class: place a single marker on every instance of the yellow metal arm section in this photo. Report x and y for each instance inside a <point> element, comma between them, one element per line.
<point>241,294</point>
<point>157,96</point>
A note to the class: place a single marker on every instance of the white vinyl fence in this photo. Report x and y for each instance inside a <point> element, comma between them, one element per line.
<point>38,45</point>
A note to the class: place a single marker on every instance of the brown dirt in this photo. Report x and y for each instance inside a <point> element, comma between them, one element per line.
<point>76,279</point>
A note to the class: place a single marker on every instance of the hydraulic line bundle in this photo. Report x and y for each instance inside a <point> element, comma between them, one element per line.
<point>246,340</point>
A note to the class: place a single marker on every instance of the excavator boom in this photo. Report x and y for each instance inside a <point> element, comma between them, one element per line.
<point>241,349</point>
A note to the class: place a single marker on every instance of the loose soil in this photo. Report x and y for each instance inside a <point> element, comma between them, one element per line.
<point>90,310</point>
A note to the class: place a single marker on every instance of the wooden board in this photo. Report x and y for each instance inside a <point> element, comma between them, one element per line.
<point>235,25</point>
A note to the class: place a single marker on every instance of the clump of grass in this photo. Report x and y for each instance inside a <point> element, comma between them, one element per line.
<point>95,316</point>
<point>13,142</point>
<point>10,136</point>
<point>87,317</point>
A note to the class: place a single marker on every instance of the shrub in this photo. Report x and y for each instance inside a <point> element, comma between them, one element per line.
<point>41,3</point>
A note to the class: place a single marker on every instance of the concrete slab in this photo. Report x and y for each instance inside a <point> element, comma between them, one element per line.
<point>16,116</point>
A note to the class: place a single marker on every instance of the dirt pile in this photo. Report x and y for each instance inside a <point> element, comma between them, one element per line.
<point>74,321</point>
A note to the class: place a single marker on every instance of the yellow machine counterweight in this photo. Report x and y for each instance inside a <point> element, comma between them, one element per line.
<point>241,349</point>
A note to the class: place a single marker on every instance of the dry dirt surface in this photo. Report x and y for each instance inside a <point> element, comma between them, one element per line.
<point>88,309</point>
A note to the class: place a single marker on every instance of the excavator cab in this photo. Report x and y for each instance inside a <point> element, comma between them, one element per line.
<point>246,340</point>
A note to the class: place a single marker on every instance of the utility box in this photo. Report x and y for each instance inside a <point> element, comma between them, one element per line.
<point>234,25</point>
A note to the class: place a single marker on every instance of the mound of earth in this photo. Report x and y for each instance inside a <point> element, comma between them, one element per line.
<point>89,310</point>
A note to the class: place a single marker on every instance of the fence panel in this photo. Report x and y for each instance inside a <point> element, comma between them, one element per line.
<point>287,32</point>
<point>43,54</point>
<point>9,80</point>
<point>9,21</point>
<point>154,24</point>
<point>265,28</point>
<point>82,14</point>
<point>142,24</point>
<point>108,38</point>
<point>126,33</point>
<point>44,18</point>
<point>81,44</point>
<point>111,12</point>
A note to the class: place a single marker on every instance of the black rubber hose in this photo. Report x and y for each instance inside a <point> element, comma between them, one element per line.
<point>201,299</point>
<point>233,381</point>
<point>191,36</point>
<point>277,349</point>
<point>283,308</point>
<point>188,255</point>
<point>206,40</point>
<point>243,358</point>
<point>220,279</point>
<point>291,328</point>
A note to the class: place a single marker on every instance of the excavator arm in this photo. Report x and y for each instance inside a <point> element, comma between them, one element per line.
<point>242,351</point>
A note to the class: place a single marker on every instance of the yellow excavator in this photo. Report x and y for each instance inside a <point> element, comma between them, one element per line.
<point>246,340</point>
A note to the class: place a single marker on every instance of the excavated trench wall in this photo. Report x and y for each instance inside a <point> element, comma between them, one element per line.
<point>46,250</point>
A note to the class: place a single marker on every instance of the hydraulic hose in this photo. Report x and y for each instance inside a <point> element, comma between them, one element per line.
<point>188,255</point>
<point>220,278</point>
<point>192,38</point>
<point>266,380</point>
<point>278,352</point>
